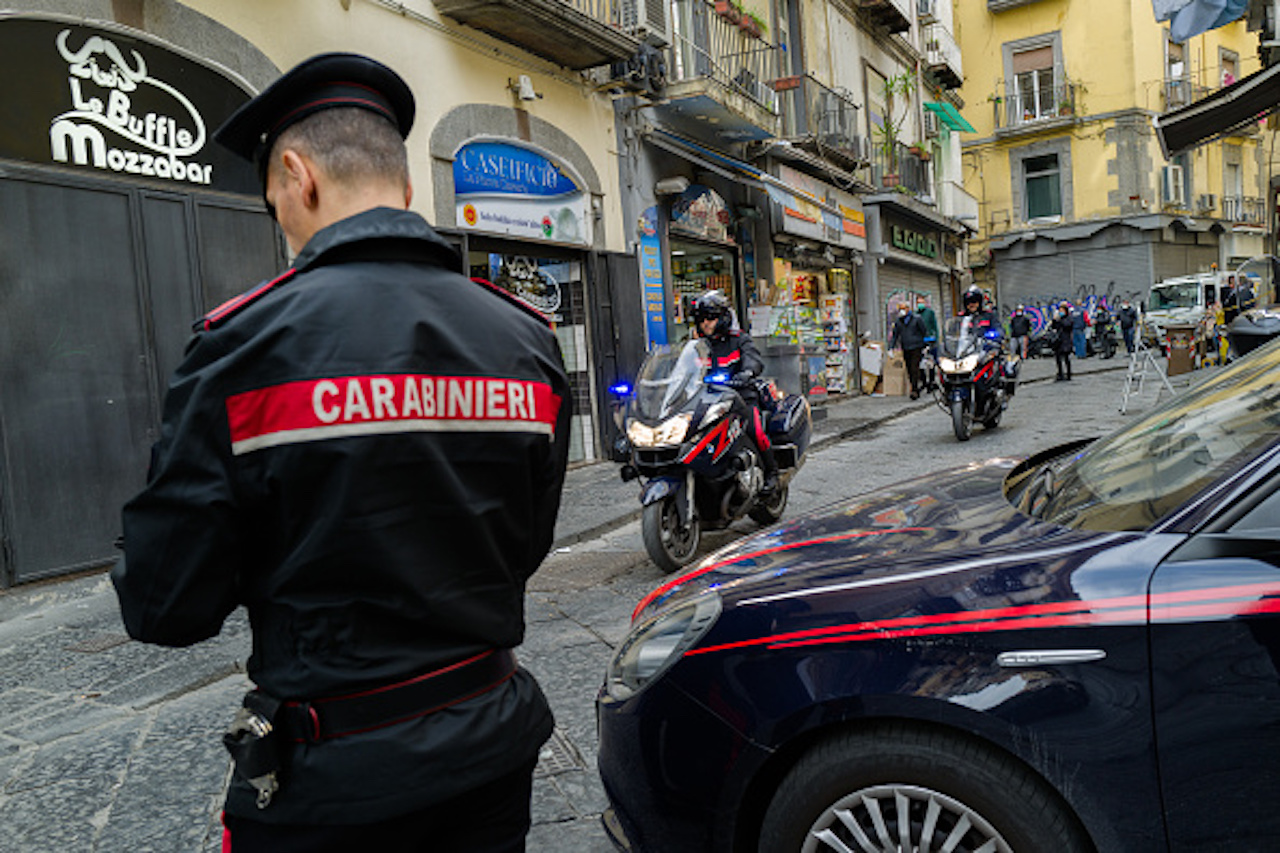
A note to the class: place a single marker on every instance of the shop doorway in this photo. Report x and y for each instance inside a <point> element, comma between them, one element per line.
<point>100,283</point>
<point>697,267</point>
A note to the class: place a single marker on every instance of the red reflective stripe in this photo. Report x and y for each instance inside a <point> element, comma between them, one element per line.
<point>672,584</point>
<point>762,438</point>
<point>726,360</point>
<point>226,835</point>
<point>722,427</point>
<point>1220,602</point>
<point>315,409</point>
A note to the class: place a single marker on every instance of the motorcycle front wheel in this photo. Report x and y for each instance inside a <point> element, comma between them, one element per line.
<point>961,419</point>
<point>669,545</point>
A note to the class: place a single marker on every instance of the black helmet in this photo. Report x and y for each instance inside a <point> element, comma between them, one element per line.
<point>713,305</point>
<point>972,296</point>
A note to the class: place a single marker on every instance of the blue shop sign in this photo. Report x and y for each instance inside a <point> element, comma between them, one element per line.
<point>505,169</point>
<point>510,189</point>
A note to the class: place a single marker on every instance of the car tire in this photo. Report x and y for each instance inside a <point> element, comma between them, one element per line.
<point>858,779</point>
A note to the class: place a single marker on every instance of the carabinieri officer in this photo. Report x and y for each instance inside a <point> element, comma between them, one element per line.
<point>367,453</point>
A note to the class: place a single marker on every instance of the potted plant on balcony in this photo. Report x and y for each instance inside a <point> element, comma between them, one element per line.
<point>888,134</point>
<point>729,10</point>
<point>754,24</point>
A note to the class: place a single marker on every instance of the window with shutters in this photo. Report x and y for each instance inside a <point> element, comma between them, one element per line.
<point>1177,76</point>
<point>1035,86</point>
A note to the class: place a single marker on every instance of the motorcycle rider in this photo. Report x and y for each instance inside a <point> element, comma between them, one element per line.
<point>980,320</point>
<point>733,350</point>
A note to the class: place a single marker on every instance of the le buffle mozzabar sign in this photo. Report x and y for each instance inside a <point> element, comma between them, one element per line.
<point>111,102</point>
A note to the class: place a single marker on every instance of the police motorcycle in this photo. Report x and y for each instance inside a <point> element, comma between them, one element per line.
<point>975,379</point>
<point>685,437</point>
<point>1103,341</point>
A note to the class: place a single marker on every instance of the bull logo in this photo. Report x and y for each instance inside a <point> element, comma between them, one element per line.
<point>84,63</point>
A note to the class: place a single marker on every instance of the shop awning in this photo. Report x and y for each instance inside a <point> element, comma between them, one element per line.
<point>1225,111</point>
<point>950,116</point>
<point>779,190</point>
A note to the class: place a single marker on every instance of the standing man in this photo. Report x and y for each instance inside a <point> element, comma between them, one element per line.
<point>1128,318</point>
<point>1078,324</point>
<point>1063,327</point>
<point>367,453</point>
<point>1020,331</point>
<point>908,335</point>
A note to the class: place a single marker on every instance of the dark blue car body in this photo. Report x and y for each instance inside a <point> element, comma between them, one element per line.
<point>1134,672</point>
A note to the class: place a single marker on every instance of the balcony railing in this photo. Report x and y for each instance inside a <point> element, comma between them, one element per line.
<point>707,46</point>
<point>1244,209</point>
<point>819,118</point>
<point>574,33</point>
<point>1018,109</point>
<point>900,168</point>
<point>942,55</point>
<point>956,202</point>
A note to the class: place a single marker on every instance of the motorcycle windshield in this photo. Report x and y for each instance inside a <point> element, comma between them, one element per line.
<point>959,339</point>
<point>669,378</point>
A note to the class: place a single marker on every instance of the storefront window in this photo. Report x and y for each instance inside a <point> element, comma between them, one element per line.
<point>553,286</point>
<point>696,267</point>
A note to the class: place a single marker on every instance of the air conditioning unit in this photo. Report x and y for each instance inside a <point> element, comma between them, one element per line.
<point>834,118</point>
<point>930,123</point>
<point>1206,201</point>
<point>643,73</point>
<point>1173,186</point>
<point>926,11</point>
<point>647,19</point>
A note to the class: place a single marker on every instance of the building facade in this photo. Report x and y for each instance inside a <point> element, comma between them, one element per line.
<point>1078,201</point>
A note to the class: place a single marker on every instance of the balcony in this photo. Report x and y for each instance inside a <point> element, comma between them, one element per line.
<point>900,168</point>
<point>718,77</point>
<point>1045,109</point>
<point>893,15</point>
<point>821,121</point>
<point>577,34</point>
<point>942,56</point>
<point>955,202</point>
<point>1244,209</point>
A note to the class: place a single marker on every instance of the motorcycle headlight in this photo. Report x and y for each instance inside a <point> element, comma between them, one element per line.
<point>668,432</point>
<point>964,365</point>
<point>651,648</point>
<point>714,412</point>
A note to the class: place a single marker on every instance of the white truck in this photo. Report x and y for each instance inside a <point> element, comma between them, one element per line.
<point>1186,300</point>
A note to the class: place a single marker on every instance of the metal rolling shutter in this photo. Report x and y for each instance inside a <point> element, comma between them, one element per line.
<point>1033,281</point>
<point>1116,273</point>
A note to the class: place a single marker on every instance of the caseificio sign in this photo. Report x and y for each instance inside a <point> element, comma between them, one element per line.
<point>112,102</point>
<point>503,187</point>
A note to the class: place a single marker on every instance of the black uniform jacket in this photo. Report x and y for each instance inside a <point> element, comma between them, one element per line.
<point>368,454</point>
<point>735,352</point>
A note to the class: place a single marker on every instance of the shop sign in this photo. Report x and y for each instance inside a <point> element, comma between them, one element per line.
<point>651,277</point>
<point>506,187</point>
<point>107,101</point>
<point>912,241</point>
<point>701,212</point>
<point>853,223</point>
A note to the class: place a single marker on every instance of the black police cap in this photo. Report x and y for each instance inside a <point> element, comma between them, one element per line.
<point>322,82</point>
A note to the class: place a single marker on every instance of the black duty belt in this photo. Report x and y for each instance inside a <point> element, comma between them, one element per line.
<point>338,716</point>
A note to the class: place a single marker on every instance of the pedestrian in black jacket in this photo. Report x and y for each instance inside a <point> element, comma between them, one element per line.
<point>1128,319</point>
<point>909,335</point>
<point>367,453</point>
<point>1063,328</point>
<point>1020,331</point>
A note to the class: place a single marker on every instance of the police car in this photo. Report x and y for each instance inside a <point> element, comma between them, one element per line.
<point>1079,651</point>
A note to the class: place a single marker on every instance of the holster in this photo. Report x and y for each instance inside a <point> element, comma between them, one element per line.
<point>254,744</point>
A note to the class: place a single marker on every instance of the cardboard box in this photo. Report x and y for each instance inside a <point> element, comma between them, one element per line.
<point>895,376</point>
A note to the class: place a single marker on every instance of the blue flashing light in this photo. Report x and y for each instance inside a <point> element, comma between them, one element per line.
<point>621,389</point>
<point>719,377</point>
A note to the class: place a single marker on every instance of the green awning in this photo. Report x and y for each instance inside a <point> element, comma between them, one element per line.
<point>950,116</point>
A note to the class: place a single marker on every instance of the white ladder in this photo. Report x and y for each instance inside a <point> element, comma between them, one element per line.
<point>1140,361</point>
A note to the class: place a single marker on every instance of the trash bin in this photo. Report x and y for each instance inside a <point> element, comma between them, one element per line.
<point>785,363</point>
<point>1181,349</point>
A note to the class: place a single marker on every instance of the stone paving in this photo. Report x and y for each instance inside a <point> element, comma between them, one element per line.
<point>110,745</point>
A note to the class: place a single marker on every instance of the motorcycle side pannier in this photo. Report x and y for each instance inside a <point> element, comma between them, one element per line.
<point>790,428</point>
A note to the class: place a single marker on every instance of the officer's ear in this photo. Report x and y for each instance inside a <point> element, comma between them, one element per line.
<point>300,174</point>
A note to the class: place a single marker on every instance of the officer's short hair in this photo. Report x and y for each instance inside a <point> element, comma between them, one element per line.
<point>349,145</point>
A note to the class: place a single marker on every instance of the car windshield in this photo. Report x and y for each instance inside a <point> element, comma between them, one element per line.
<point>669,378</point>
<point>1135,477</point>
<point>1174,296</point>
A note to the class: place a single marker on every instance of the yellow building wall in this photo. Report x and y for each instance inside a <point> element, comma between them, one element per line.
<point>443,70</point>
<point>1114,50</point>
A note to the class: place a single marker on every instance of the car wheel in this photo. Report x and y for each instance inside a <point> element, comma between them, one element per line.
<point>907,788</point>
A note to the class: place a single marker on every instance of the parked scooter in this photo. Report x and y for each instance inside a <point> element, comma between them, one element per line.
<point>1104,341</point>
<point>685,434</point>
<point>975,379</point>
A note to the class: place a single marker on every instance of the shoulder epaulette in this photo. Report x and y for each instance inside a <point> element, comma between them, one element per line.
<point>514,300</point>
<point>232,306</point>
